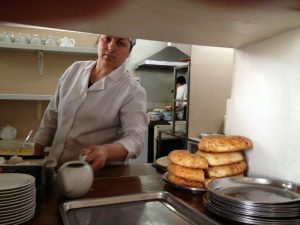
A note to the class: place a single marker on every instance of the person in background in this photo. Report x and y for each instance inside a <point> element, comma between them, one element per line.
<point>97,111</point>
<point>181,94</point>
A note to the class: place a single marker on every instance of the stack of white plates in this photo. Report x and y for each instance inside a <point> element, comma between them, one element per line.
<point>254,200</point>
<point>17,198</point>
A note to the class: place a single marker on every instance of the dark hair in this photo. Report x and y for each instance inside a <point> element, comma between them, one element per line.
<point>180,80</point>
<point>132,42</point>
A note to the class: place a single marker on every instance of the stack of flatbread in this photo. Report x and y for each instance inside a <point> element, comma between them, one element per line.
<point>224,155</point>
<point>186,169</point>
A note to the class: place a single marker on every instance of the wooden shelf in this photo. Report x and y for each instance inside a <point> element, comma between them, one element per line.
<point>25,97</point>
<point>45,48</point>
<point>41,49</point>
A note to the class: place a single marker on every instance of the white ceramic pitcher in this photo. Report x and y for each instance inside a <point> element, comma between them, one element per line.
<point>75,178</point>
<point>67,42</point>
<point>8,133</point>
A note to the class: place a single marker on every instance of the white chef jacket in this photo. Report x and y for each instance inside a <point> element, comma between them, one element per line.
<point>112,110</point>
<point>181,93</point>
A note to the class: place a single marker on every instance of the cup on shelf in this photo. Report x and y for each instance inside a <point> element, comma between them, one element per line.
<point>21,38</point>
<point>51,41</point>
<point>35,40</point>
<point>8,133</point>
<point>67,42</point>
<point>6,37</point>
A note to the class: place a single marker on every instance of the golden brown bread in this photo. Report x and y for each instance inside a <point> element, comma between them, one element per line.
<point>187,173</point>
<point>184,182</point>
<point>222,143</point>
<point>187,159</point>
<point>218,159</point>
<point>227,170</point>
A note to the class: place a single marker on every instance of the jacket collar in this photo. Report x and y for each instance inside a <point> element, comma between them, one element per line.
<point>114,76</point>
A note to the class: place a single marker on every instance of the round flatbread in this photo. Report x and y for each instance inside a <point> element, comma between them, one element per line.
<point>219,159</point>
<point>187,173</point>
<point>228,170</point>
<point>184,182</point>
<point>219,143</point>
<point>187,159</point>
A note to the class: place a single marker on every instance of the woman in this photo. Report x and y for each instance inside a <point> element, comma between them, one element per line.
<point>98,110</point>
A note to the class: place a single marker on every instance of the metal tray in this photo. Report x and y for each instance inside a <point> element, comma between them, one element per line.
<point>160,168</point>
<point>255,191</point>
<point>185,188</point>
<point>141,209</point>
<point>246,219</point>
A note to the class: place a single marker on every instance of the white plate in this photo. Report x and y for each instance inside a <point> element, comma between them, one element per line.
<point>17,191</point>
<point>19,214</point>
<point>16,195</point>
<point>10,181</point>
<point>17,210</point>
<point>19,218</point>
<point>163,161</point>
<point>18,201</point>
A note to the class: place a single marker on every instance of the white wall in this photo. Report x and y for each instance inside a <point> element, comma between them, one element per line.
<point>210,86</point>
<point>265,105</point>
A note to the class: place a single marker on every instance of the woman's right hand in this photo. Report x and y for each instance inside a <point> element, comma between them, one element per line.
<point>98,155</point>
<point>95,155</point>
<point>39,149</point>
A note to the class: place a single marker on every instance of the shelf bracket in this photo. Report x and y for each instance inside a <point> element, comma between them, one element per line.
<point>40,62</point>
<point>39,110</point>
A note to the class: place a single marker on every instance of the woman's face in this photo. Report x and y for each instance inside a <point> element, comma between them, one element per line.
<point>113,51</point>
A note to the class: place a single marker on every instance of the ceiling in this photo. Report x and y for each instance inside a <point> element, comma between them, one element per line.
<point>225,23</point>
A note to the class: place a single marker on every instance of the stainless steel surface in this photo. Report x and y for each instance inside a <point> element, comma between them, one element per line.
<point>141,209</point>
<point>248,190</point>
<point>226,213</point>
<point>254,200</point>
<point>263,211</point>
<point>185,188</point>
<point>26,139</point>
<point>169,56</point>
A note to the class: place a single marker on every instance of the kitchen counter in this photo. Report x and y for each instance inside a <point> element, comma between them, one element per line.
<point>112,181</point>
